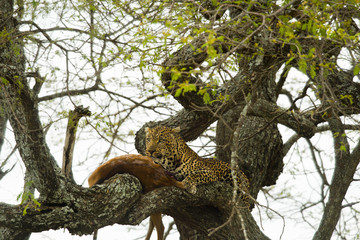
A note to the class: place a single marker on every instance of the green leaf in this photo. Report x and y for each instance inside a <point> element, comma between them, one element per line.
<point>190,87</point>
<point>202,91</point>
<point>309,25</point>
<point>311,53</point>
<point>312,71</point>
<point>357,69</point>
<point>36,202</point>
<point>206,98</point>
<point>24,211</point>
<point>349,97</point>
<point>302,65</point>
<point>175,75</point>
<point>211,51</point>
<point>343,148</point>
<point>168,23</point>
<point>4,80</point>
<point>281,31</point>
<point>178,92</point>
<point>289,61</point>
<point>304,26</point>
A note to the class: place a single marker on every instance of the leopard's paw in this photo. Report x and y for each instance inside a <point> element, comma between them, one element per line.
<point>190,188</point>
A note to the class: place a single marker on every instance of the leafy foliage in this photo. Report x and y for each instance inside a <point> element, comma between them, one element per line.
<point>28,200</point>
<point>293,64</point>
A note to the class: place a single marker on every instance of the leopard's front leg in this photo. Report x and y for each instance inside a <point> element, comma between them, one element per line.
<point>197,178</point>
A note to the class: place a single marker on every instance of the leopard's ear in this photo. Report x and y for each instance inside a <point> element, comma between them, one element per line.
<point>177,129</point>
<point>147,130</point>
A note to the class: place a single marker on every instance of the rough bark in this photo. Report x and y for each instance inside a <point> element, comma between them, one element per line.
<point>19,104</point>
<point>83,210</point>
<point>247,81</point>
<point>79,209</point>
<point>260,149</point>
<point>205,211</point>
<point>252,92</point>
<point>268,164</point>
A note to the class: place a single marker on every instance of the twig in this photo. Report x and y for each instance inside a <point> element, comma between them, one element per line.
<point>224,224</point>
<point>74,117</point>
<point>242,224</point>
<point>171,225</point>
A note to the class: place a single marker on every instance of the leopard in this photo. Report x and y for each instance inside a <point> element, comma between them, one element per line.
<point>167,148</point>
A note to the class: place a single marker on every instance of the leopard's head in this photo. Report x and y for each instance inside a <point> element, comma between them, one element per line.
<point>162,144</point>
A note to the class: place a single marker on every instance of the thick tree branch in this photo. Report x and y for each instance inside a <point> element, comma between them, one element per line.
<point>205,211</point>
<point>80,210</point>
<point>83,210</point>
<point>20,106</point>
<point>300,123</point>
<point>345,168</point>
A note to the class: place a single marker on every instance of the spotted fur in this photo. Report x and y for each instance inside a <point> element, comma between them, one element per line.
<point>168,149</point>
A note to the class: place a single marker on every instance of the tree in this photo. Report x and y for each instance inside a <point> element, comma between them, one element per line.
<point>226,64</point>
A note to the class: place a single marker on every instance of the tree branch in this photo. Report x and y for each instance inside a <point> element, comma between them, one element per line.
<point>3,122</point>
<point>74,118</point>
<point>345,168</point>
<point>81,212</point>
<point>20,106</point>
<point>298,122</point>
<point>209,208</point>
<point>29,135</point>
<point>76,92</point>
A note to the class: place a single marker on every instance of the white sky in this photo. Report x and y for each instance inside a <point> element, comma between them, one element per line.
<point>298,178</point>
